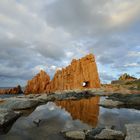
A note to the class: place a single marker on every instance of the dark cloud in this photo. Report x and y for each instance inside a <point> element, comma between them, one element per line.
<point>47,34</point>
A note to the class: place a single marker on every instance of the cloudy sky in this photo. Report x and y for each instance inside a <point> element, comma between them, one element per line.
<point>47,34</point>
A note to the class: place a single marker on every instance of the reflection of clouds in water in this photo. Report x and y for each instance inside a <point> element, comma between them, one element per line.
<point>68,124</point>
<point>134,110</point>
<point>118,117</point>
<point>104,110</point>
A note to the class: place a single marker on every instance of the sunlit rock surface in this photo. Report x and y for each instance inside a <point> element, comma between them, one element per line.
<point>80,74</point>
<point>38,84</point>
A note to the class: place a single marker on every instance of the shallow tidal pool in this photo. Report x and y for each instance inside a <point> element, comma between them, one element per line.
<point>68,115</point>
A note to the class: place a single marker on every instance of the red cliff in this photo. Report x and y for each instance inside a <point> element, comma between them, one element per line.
<point>38,84</point>
<point>80,74</point>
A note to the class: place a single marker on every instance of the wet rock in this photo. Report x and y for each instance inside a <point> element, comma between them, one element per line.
<point>133,131</point>
<point>109,134</point>
<point>19,103</point>
<point>128,100</point>
<point>110,103</point>
<point>75,135</point>
<point>104,133</point>
<point>92,133</point>
<point>7,118</point>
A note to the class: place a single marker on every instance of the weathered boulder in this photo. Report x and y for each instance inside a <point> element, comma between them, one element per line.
<point>133,131</point>
<point>80,74</point>
<point>14,90</point>
<point>103,133</point>
<point>109,134</point>
<point>7,118</point>
<point>38,84</point>
<point>19,103</point>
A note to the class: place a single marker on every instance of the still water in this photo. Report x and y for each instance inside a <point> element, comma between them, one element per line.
<point>68,115</point>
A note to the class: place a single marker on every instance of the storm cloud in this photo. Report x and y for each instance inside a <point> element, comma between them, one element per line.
<point>48,34</point>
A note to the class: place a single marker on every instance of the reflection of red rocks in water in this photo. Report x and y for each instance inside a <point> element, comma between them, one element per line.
<point>86,110</point>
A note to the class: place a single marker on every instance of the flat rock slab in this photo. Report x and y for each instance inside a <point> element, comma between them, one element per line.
<point>7,118</point>
<point>110,103</point>
<point>133,131</point>
<point>19,103</point>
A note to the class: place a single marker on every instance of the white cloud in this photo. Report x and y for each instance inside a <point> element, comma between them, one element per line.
<point>134,54</point>
<point>132,65</point>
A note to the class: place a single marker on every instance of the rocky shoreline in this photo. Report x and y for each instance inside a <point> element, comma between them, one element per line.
<point>105,133</point>
<point>21,103</point>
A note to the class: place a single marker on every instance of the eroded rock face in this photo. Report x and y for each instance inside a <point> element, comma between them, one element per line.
<point>38,84</point>
<point>126,76</point>
<point>80,74</point>
<point>15,90</point>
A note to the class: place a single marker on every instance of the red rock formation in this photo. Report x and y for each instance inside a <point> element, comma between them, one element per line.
<point>15,90</point>
<point>127,77</point>
<point>84,110</point>
<point>80,74</point>
<point>38,84</point>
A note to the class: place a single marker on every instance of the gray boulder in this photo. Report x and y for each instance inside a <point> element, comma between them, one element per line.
<point>7,118</point>
<point>104,133</point>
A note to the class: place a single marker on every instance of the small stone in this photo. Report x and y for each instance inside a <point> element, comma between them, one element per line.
<point>75,135</point>
<point>37,122</point>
